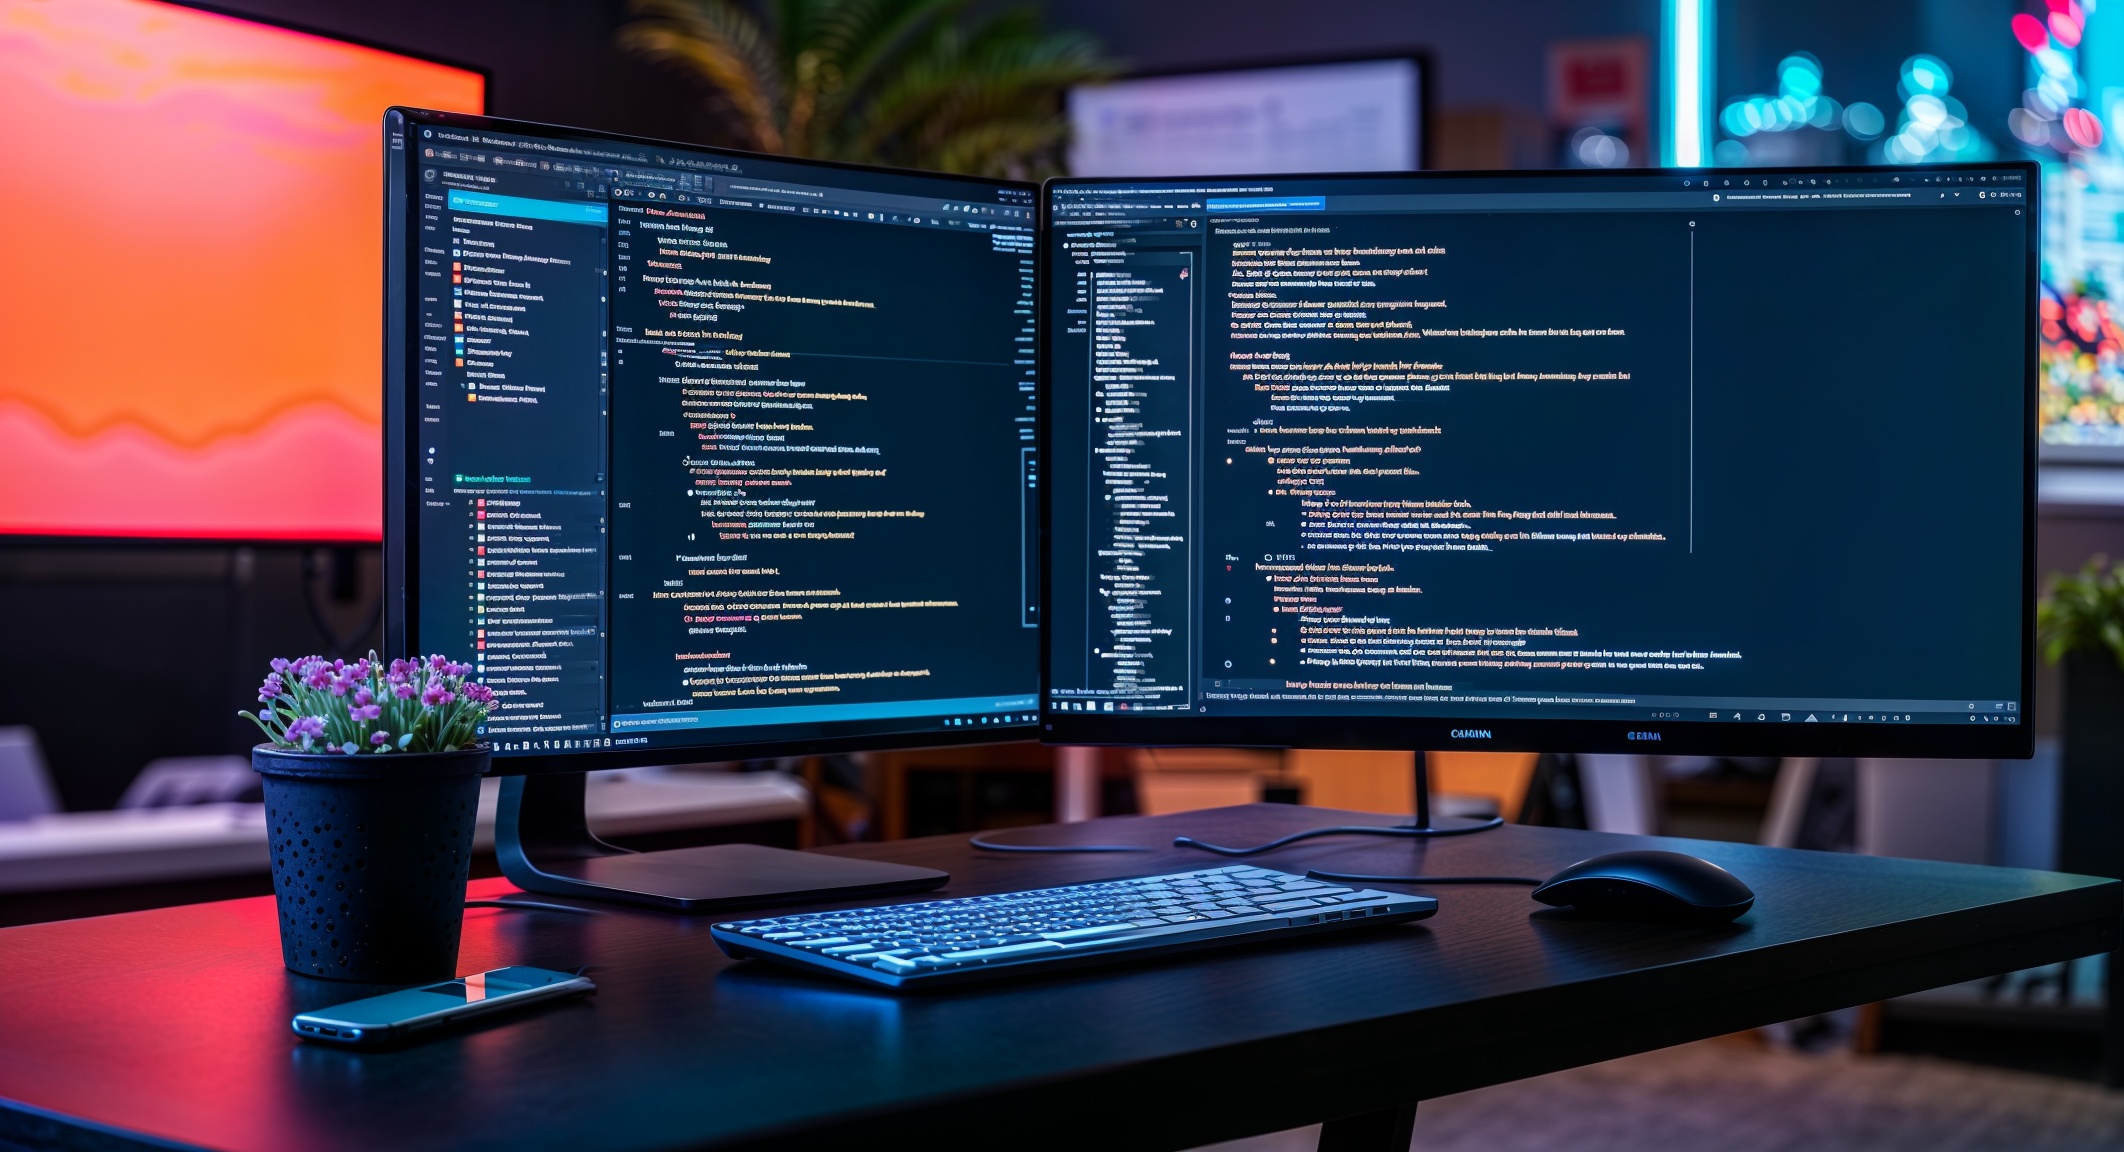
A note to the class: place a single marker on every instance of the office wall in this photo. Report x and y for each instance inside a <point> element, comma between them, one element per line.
<point>549,60</point>
<point>1485,54</point>
<point>118,655</point>
<point>1489,82</point>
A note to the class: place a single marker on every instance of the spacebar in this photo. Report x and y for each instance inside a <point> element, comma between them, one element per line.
<point>1191,928</point>
<point>1003,950</point>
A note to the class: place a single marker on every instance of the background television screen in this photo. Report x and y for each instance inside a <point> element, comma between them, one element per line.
<point>192,214</point>
<point>2082,391</point>
<point>1351,116</point>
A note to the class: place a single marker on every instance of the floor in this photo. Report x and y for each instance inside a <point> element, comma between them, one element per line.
<point>1735,1095</point>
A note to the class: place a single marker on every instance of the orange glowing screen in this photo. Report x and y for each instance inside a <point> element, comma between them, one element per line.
<point>191,271</point>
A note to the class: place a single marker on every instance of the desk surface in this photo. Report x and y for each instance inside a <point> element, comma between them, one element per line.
<point>173,1023</point>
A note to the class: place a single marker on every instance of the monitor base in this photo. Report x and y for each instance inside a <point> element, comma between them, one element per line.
<point>544,844</point>
<point>1422,828</point>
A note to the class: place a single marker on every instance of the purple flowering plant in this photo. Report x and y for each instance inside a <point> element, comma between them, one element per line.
<point>321,705</point>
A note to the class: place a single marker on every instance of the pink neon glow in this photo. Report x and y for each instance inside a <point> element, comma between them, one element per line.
<point>2030,32</point>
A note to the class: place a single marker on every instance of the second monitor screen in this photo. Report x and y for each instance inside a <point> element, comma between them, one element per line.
<point>1632,449</point>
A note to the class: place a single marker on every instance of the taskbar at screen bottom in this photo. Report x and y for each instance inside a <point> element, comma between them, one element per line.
<point>1955,737</point>
<point>711,732</point>
<point>1233,703</point>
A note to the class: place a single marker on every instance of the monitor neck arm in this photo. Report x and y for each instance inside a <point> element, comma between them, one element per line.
<point>540,817</point>
<point>1423,791</point>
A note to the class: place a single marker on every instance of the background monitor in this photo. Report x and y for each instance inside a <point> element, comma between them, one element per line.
<point>191,214</point>
<point>1632,461</point>
<point>1332,116</point>
<point>2082,380</point>
<point>699,454</point>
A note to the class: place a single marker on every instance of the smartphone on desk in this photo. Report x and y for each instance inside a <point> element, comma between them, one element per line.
<point>394,1016</point>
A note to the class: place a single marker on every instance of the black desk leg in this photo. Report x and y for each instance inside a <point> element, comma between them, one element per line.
<point>1388,1131</point>
<point>2112,1019</point>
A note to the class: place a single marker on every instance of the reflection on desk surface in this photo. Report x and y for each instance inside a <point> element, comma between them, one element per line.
<point>93,849</point>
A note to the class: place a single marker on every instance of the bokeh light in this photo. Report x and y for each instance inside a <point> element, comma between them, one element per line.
<point>2085,130</point>
<point>1923,74</point>
<point>2065,29</point>
<point>2030,32</point>
<point>1864,121</point>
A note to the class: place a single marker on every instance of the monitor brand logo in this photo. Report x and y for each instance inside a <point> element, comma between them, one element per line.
<point>1471,734</point>
<point>1644,735</point>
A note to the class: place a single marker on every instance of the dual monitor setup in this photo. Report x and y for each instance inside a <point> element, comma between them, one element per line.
<point>705,455</point>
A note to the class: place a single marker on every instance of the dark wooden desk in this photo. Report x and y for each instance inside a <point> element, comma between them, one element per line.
<point>172,1024</point>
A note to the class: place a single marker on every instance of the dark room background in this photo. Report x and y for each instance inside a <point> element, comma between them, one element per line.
<point>121,653</point>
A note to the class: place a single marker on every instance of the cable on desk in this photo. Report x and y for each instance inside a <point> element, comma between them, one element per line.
<point>1323,874</point>
<point>1343,830</point>
<point>533,906</point>
<point>992,846</point>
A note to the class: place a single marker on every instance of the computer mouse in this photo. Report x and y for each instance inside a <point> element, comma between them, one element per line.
<point>1649,885</point>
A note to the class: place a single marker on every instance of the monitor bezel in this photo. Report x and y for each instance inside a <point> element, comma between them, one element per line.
<point>401,543</point>
<point>1476,733</point>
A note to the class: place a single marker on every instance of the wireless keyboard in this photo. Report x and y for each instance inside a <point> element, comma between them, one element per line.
<point>981,937</point>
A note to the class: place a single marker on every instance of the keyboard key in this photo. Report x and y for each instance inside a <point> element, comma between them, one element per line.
<point>1096,930</point>
<point>1006,950</point>
<point>1291,905</point>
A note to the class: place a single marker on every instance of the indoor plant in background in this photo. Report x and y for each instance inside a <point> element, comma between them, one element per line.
<point>371,788</point>
<point>937,84</point>
<point>2081,625</point>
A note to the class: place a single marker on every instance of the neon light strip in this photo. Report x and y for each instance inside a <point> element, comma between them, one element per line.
<point>1688,37</point>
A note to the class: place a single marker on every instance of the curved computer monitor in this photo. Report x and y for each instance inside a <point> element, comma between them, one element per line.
<point>1659,461</point>
<point>705,455</point>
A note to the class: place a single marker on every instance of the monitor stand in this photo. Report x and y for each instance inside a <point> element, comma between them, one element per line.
<point>1423,801</point>
<point>544,844</point>
<point>1421,829</point>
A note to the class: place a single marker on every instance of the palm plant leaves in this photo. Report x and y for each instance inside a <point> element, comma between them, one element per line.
<point>2084,613</point>
<point>725,46</point>
<point>909,82</point>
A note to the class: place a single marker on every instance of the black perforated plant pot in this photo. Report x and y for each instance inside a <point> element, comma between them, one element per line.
<point>370,855</point>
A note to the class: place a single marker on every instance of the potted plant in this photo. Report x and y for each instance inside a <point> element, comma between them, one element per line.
<point>371,787</point>
<point>2081,624</point>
